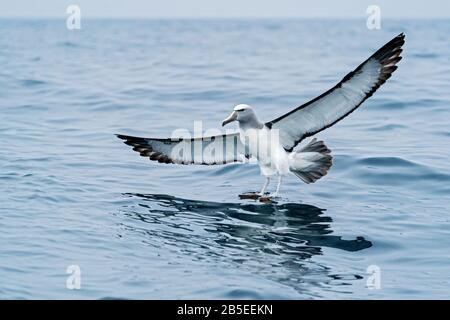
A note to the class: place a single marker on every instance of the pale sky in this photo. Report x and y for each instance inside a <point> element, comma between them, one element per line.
<point>227,8</point>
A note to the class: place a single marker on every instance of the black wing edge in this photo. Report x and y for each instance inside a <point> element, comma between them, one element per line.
<point>142,146</point>
<point>389,54</point>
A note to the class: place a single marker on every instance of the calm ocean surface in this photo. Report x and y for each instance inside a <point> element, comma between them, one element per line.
<point>73,194</point>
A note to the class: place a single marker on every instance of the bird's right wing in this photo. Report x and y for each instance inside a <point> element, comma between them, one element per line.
<point>341,100</point>
<point>212,150</point>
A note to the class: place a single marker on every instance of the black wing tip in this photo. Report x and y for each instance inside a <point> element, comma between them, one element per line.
<point>130,140</point>
<point>126,137</point>
<point>141,146</point>
<point>389,56</point>
<point>391,49</point>
<point>400,38</point>
<point>121,136</point>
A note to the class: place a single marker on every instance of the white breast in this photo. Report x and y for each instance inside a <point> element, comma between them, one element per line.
<point>264,145</point>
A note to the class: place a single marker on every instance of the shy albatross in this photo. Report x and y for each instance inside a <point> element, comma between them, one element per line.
<point>272,143</point>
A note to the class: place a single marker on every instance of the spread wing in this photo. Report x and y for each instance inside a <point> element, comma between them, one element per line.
<point>212,150</point>
<point>341,100</point>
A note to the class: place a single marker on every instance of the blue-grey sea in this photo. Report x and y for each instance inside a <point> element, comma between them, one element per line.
<point>72,194</point>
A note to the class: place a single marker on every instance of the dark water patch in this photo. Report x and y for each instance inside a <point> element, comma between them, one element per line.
<point>346,277</point>
<point>445,133</point>
<point>270,237</point>
<point>305,228</point>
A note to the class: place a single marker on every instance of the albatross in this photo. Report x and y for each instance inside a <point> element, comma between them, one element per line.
<point>272,143</point>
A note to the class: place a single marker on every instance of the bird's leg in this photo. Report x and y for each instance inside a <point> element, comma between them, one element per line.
<point>263,190</point>
<point>280,179</point>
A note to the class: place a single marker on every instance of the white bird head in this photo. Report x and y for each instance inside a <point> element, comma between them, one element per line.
<point>242,113</point>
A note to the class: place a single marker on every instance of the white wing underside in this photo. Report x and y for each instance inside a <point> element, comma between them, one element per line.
<point>213,150</point>
<point>338,102</point>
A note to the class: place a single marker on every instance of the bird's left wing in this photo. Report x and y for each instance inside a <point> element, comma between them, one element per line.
<point>212,150</point>
<point>338,102</point>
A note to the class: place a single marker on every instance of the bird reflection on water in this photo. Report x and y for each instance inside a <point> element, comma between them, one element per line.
<point>278,239</point>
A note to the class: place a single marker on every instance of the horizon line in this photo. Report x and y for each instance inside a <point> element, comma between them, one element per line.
<point>64,16</point>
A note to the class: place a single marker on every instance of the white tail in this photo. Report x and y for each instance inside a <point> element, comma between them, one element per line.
<point>311,162</point>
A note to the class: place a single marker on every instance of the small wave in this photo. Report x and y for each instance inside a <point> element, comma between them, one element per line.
<point>387,127</point>
<point>30,107</point>
<point>426,55</point>
<point>243,294</point>
<point>68,44</point>
<point>32,82</point>
<point>211,95</point>
<point>395,171</point>
<point>387,162</point>
<point>391,105</point>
